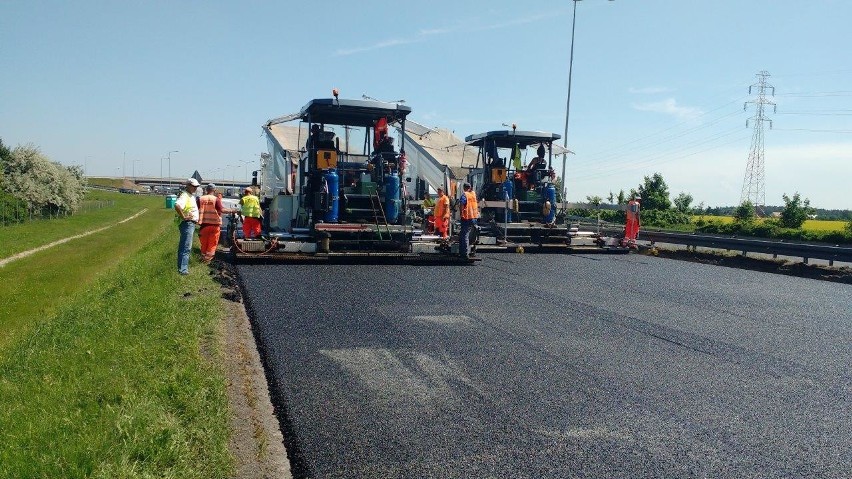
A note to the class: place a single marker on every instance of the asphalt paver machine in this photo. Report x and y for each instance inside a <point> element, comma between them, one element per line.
<point>518,201</point>
<point>340,197</point>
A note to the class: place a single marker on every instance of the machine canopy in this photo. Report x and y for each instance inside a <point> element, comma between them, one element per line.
<point>364,113</point>
<point>509,138</point>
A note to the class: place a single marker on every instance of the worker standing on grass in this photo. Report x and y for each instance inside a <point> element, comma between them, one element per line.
<point>251,214</point>
<point>469,215</point>
<point>442,214</point>
<point>210,213</point>
<point>187,215</point>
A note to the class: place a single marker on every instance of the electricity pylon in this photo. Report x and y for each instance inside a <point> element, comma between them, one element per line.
<point>754,182</point>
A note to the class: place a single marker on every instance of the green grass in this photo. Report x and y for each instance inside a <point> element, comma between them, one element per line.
<point>115,376</point>
<point>32,234</point>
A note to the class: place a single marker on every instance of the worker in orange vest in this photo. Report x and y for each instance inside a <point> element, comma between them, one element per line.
<point>442,214</point>
<point>469,215</point>
<point>631,226</point>
<point>210,212</point>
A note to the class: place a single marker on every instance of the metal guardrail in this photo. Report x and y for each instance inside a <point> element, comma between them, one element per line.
<point>753,245</point>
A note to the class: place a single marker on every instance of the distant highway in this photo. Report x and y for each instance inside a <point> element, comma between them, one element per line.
<point>556,366</point>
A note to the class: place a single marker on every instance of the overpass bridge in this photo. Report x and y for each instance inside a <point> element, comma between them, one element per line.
<point>160,183</point>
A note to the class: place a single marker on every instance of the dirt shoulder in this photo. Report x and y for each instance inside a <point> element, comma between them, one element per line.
<point>256,440</point>
<point>731,260</point>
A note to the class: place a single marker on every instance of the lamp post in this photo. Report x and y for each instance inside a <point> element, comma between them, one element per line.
<point>568,101</point>
<point>134,169</point>
<point>170,165</point>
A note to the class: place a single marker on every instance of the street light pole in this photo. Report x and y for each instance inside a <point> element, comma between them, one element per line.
<point>170,165</point>
<point>134,169</point>
<point>568,103</point>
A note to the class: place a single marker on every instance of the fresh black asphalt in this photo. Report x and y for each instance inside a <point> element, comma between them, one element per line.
<point>556,366</point>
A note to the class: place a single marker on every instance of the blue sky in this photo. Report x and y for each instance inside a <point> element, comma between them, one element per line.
<point>658,85</point>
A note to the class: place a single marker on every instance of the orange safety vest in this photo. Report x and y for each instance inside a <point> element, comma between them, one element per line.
<point>442,207</point>
<point>207,211</point>
<point>471,209</point>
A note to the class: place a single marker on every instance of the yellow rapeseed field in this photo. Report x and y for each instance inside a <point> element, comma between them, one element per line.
<point>810,225</point>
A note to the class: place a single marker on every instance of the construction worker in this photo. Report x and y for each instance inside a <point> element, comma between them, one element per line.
<point>210,215</point>
<point>442,214</point>
<point>428,202</point>
<point>631,226</point>
<point>427,207</point>
<point>187,216</point>
<point>469,215</point>
<point>250,211</point>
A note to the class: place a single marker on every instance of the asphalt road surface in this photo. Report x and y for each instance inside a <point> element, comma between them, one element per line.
<point>556,366</point>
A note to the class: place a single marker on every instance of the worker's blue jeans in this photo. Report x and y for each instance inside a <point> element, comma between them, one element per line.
<point>464,236</point>
<point>187,228</point>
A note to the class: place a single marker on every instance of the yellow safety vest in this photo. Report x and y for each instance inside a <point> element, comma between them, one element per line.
<point>188,206</point>
<point>250,206</point>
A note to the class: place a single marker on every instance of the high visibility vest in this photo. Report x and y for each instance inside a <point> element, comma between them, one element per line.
<point>471,209</point>
<point>207,211</point>
<point>632,209</point>
<point>442,207</point>
<point>428,203</point>
<point>189,208</point>
<point>250,206</point>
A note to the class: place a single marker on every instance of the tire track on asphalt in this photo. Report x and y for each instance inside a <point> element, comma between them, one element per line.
<point>24,254</point>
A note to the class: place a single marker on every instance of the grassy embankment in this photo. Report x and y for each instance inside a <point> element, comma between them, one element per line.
<point>109,360</point>
<point>108,182</point>
<point>32,234</point>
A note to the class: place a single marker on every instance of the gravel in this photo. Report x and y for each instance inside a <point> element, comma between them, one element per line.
<point>556,366</point>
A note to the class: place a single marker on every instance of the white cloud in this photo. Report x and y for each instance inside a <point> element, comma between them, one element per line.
<point>426,32</point>
<point>669,106</point>
<point>376,46</point>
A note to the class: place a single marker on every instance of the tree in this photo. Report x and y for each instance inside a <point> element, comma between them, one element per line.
<point>594,200</point>
<point>5,153</point>
<point>610,198</point>
<point>654,193</point>
<point>682,202</point>
<point>795,211</point>
<point>561,193</point>
<point>745,213</point>
<point>622,198</point>
<point>43,184</point>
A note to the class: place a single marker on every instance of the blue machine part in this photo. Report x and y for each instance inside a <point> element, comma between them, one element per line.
<point>392,201</point>
<point>550,195</point>
<point>508,194</point>
<point>332,182</point>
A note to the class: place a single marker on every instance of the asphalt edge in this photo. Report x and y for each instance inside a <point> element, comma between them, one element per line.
<point>257,441</point>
